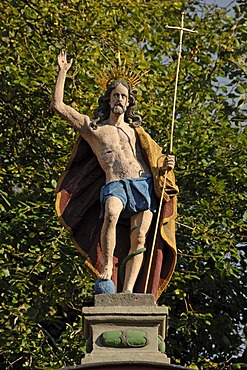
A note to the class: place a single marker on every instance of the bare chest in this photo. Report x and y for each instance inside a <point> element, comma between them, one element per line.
<point>117,139</point>
<point>118,152</point>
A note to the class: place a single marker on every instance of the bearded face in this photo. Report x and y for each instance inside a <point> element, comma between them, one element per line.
<point>118,108</point>
<point>119,101</point>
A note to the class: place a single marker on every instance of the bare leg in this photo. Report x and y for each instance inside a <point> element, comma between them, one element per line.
<point>113,208</point>
<point>140,224</point>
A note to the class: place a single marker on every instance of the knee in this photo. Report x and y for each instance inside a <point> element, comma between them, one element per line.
<point>110,219</point>
<point>111,216</point>
<point>141,238</point>
<point>113,208</point>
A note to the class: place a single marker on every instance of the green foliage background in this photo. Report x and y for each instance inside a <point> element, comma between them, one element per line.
<point>44,284</point>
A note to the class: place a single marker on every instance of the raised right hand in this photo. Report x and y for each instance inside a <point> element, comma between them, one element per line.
<point>62,61</point>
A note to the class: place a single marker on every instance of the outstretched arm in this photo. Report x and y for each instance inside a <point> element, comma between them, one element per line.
<point>74,118</point>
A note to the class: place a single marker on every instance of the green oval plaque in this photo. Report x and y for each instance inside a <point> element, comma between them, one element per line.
<point>124,339</point>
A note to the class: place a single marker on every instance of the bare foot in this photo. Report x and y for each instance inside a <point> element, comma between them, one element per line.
<point>106,273</point>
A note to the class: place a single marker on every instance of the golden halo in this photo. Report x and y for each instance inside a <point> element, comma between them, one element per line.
<point>119,71</point>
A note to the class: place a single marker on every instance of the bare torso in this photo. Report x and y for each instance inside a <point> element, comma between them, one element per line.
<point>117,150</point>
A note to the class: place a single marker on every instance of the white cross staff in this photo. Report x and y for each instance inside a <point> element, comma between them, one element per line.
<point>182,30</point>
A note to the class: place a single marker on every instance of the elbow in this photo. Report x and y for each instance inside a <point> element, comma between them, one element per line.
<point>57,107</point>
<point>53,104</point>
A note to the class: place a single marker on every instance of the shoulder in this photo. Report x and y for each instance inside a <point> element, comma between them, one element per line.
<point>142,133</point>
<point>94,124</point>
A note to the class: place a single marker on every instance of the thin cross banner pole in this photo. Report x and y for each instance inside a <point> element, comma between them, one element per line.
<point>182,30</point>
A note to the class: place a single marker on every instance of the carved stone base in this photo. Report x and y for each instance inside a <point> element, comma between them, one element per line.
<point>125,328</point>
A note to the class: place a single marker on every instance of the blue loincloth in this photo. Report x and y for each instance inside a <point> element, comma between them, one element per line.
<point>136,194</point>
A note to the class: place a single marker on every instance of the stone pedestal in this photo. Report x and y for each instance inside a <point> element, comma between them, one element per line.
<point>126,328</point>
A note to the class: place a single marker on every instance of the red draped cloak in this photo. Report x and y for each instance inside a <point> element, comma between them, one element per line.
<point>78,207</point>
